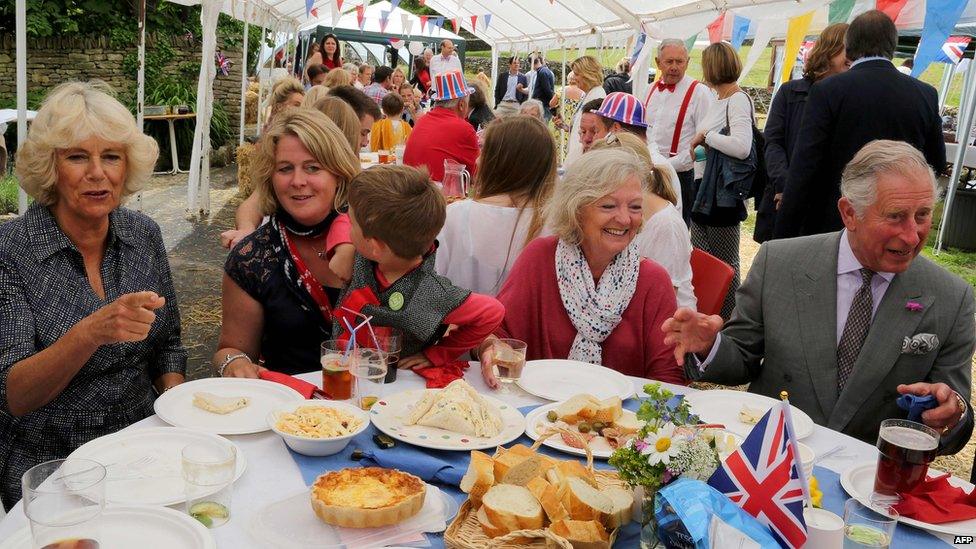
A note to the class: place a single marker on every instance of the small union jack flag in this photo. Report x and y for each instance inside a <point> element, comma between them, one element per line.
<point>763,478</point>
<point>953,49</point>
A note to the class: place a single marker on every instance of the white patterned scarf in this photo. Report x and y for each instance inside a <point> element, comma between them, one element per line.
<point>595,310</point>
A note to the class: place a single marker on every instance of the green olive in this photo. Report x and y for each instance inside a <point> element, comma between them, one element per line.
<point>598,426</point>
<point>583,427</point>
<point>552,416</point>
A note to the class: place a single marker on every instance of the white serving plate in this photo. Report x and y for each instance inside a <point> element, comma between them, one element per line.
<point>318,446</point>
<point>128,526</point>
<point>145,466</point>
<point>292,524</point>
<point>176,405</point>
<point>722,406</point>
<point>858,482</point>
<point>535,424</point>
<point>389,414</point>
<point>558,380</point>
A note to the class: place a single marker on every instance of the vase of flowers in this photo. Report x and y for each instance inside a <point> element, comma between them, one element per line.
<point>670,444</point>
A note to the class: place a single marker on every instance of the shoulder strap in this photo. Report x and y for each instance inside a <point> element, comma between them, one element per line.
<point>681,117</point>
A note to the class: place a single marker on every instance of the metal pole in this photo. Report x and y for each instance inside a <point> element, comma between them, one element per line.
<point>948,71</point>
<point>247,21</point>
<point>963,131</point>
<point>21,90</point>
<point>494,68</point>
<point>294,57</point>
<point>562,107</point>
<point>259,122</point>
<point>141,85</point>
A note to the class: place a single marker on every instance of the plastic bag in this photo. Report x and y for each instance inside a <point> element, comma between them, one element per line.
<point>684,511</point>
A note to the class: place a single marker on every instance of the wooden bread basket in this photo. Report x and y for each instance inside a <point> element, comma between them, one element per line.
<point>465,532</point>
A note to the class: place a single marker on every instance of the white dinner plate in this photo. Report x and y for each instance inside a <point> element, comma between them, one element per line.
<point>128,526</point>
<point>535,425</point>
<point>390,413</point>
<point>176,405</point>
<point>558,380</point>
<point>858,482</point>
<point>723,406</point>
<point>144,466</point>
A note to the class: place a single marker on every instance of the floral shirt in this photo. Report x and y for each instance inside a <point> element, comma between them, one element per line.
<point>44,291</point>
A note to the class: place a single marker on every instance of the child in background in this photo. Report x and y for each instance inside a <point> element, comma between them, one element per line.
<point>396,213</point>
<point>392,130</point>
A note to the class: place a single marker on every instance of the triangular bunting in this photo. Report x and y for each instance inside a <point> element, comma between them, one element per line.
<point>740,28</point>
<point>840,11</point>
<point>308,7</point>
<point>407,23</point>
<point>892,8</point>
<point>360,18</point>
<point>474,23</point>
<point>338,5</point>
<point>395,4</point>
<point>715,29</point>
<point>690,42</point>
<point>314,12</point>
<point>384,19</point>
<point>456,25</point>
<point>334,8</point>
<point>941,17</point>
<point>487,20</point>
<point>796,31</point>
<point>423,24</point>
<point>439,21</point>
<point>423,2</point>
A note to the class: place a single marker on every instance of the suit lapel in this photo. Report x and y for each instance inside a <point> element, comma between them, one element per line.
<point>882,348</point>
<point>815,282</point>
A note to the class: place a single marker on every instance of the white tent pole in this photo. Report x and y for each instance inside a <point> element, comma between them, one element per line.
<point>141,76</point>
<point>494,68</point>
<point>948,72</point>
<point>21,90</point>
<point>562,129</point>
<point>963,131</point>
<point>259,121</point>
<point>294,57</point>
<point>198,182</point>
<point>240,136</point>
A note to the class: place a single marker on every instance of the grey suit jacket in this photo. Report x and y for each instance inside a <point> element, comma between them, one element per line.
<point>783,336</point>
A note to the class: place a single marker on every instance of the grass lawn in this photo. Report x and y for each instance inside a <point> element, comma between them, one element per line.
<point>8,194</point>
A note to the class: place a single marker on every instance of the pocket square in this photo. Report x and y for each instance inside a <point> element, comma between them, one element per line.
<point>919,344</point>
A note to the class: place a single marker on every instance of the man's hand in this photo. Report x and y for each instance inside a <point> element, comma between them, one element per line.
<point>777,199</point>
<point>947,414</point>
<point>414,362</point>
<point>690,332</point>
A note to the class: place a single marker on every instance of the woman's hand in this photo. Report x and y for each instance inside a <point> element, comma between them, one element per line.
<point>695,141</point>
<point>243,368</point>
<point>229,239</point>
<point>486,354</point>
<point>128,318</point>
<point>414,362</point>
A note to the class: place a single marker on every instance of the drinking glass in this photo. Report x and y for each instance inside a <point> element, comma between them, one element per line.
<point>508,361</point>
<point>905,449</point>
<point>336,378</point>
<point>209,468</point>
<point>368,367</point>
<point>63,500</point>
<point>390,341</point>
<point>868,526</point>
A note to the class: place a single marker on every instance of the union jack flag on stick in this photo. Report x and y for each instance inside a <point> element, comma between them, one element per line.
<point>765,479</point>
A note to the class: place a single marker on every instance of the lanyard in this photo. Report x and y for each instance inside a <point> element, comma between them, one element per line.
<point>308,280</point>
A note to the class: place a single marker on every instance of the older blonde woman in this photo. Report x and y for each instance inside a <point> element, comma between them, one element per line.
<point>91,330</point>
<point>278,289</point>
<point>336,78</point>
<point>589,78</point>
<point>585,294</point>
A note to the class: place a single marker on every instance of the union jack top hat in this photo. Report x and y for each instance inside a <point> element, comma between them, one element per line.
<point>624,108</point>
<point>450,85</point>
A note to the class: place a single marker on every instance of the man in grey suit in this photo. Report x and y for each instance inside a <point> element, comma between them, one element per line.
<point>847,321</point>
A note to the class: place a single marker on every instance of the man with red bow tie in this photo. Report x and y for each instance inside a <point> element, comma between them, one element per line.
<point>674,107</point>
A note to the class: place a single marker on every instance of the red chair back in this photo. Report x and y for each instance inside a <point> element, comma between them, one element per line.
<point>711,278</point>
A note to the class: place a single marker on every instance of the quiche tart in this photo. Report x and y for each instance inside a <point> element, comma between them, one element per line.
<point>367,497</point>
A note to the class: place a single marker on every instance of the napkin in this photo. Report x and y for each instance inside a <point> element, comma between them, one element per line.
<point>936,501</point>
<point>302,386</point>
<point>915,405</point>
<point>431,465</point>
<point>441,376</point>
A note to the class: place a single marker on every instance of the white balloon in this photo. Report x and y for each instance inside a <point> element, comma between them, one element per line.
<point>416,48</point>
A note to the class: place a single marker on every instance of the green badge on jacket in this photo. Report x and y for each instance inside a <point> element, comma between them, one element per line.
<point>396,301</point>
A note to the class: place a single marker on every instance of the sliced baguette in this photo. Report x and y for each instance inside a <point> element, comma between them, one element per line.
<point>548,497</point>
<point>487,527</point>
<point>627,424</point>
<point>588,534</point>
<point>578,408</point>
<point>479,477</point>
<point>545,461</point>
<point>512,468</point>
<point>512,508</point>
<point>570,468</point>
<point>623,501</point>
<point>584,502</point>
<point>610,410</point>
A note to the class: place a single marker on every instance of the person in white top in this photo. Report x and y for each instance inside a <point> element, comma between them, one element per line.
<point>675,108</point>
<point>483,236</point>
<point>664,239</point>
<point>447,61</point>
<point>589,77</point>
<point>716,211</point>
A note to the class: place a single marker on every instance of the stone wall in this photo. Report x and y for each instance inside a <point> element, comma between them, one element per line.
<point>52,61</point>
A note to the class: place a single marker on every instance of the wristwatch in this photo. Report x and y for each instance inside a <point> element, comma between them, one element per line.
<point>227,360</point>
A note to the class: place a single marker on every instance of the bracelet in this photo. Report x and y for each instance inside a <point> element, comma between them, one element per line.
<point>227,360</point>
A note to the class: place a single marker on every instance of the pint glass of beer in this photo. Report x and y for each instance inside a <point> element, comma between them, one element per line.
<point>905,449</point>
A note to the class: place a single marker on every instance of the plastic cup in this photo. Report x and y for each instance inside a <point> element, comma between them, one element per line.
<point>63,500</point>
<point>208,474</point>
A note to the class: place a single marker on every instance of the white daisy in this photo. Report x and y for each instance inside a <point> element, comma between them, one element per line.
<point>662,445</point>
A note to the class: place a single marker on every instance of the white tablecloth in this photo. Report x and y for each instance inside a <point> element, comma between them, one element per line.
<point>272,474</point>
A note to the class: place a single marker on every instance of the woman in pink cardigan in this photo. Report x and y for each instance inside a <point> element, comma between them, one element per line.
<point>585,294</point>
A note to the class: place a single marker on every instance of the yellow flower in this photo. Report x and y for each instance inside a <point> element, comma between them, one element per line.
<point>816,496</point>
